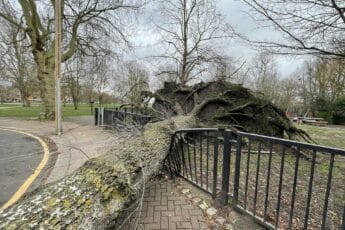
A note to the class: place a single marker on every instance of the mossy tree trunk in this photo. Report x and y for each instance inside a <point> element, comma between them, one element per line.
<point>45,75</point>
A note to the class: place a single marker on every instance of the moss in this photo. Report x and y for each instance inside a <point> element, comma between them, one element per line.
<point>11,227</point>
<point>67,204</point>
<point>51,202</point>
<point>88,202</point>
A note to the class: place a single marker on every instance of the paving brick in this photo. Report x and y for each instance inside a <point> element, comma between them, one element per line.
<point>152,226</point>
<point>167,194</point>
<point>153,203</point>
<point>179,202</point>
<point>150,209</point>
<point>178,211</point>
<point>172,226</point>
<point>195,212</point>
<point>171,205</point>
<point>164,200</point>
<point>157,217</point>
<point>146,220</point>
<point>187,207</point>
<point>173,197</point>
<point>161,208</point>
<point>184,225</point>
<point>195,222</point>
<point>164,222</point>
<point>180,218</point>
<point>168,213</point>
<point>149,198</point>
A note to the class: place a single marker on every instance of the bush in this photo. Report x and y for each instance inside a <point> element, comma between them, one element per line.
<point>339,111</point>
<point>332,111</point>
<point>323,108</point>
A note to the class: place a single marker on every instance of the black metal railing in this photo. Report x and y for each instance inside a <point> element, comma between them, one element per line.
<point>197,163</point>
<point>281,183</point>
<point>112,117</point>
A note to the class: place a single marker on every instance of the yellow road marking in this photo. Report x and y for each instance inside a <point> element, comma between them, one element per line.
<point>20,192</point>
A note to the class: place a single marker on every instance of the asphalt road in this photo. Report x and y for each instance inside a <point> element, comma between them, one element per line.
<point>19,157</point>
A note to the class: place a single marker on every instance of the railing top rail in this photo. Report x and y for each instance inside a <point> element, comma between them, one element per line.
<point>197,130</point>
<point>276,140</point>
<point>129,113</point>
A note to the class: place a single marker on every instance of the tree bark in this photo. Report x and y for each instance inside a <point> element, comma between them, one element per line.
<point>25,101</point>
<point>94,196</point>
<point>45,75</point>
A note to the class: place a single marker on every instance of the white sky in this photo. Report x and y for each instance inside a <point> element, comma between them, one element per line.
<point>236,13</point>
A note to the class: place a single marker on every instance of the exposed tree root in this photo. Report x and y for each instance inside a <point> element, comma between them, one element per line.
<point>223,104</point>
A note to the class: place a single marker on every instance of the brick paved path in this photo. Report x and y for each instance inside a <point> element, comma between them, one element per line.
<point>164,208</point>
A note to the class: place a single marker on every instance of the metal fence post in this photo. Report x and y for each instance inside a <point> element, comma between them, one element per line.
<point>96,116</point>
<point>215,166</point>
<point>226,168</point>
<point>102,116</point>
<point>99,116</point>
<point>237,168</point>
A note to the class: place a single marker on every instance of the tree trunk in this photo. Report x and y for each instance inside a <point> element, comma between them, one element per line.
<point>45,75</point>
<point>75,99</point>
<point>94,196</point>
<point>26,101</point>
<point>100,99</point>
<point>75,103</point>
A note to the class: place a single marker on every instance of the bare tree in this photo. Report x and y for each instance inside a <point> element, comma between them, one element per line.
<point>226,68</point>
<point>16,62</point>
<point>264,74</point>
<point>86,24</point>
<point>309,26</point>
<point>325,78</point>
<point>101,73</point>
<point>167,72</point>
<point>288,93</point>
<point>75,70</point>
<point>88,90</point>
<point>190,32</point>
<point>131,82</point>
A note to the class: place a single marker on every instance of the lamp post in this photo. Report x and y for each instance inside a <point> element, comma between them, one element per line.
<point>58,67</point>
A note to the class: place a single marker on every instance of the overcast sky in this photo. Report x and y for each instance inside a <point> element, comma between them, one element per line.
<point>146,37</point>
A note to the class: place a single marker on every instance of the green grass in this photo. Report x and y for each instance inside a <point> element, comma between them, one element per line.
<point>327,136</point>
<point>16,110</point>
<point>10,105</point>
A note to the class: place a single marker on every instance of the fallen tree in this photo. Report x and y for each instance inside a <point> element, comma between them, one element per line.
<point>94,196</point>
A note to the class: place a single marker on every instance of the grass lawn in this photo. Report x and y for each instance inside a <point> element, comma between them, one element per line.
<point>10,105</point>
<point>16,110</point>
<point>333,136</point>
